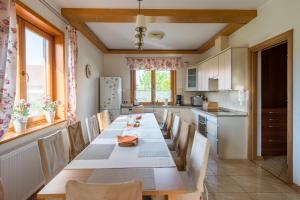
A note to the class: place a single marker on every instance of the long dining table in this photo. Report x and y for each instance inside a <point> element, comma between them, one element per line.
<point>104,161</point>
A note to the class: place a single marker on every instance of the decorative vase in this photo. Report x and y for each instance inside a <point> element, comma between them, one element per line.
<point>20,125</point>
<point>50,116</point>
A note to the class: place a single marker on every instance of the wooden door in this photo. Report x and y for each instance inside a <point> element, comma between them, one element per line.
<point>274,100</point>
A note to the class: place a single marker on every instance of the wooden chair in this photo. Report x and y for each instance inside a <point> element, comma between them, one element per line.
<point>1,190</point>
<point>180,150</point>
<point>193,178</point>
<point>92,127</point>
<point>52,154</point>
<point>162,125</point>
<point>167,131</point>
<point>119,191</point>
<point>77,143</point>
<point>103,120</point>
<point>174,133</point>
<point>138,109</point>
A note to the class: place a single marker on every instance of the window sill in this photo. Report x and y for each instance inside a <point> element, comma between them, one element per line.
<point>12,135</point>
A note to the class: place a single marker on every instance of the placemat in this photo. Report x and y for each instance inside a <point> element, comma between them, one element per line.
<point>145,175</point>
<point>153,149</point>
<point>96,152</point>
<point>111,133</point>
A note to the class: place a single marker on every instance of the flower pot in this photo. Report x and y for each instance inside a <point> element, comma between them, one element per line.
<point>20,125</point>
<point>50,116</point>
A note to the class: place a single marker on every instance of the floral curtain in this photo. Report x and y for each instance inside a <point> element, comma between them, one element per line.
<point>153,63</point>
<point>8,61</point>
<point>72,64</point>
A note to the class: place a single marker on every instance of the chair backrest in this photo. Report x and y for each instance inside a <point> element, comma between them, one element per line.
<point>175,127</point>
<point>76,139</point>
<point>137,109</point>
<point>66,142</point>
<point>1,190</point>
<point>103,120</point>
<point>119,191</point>
<point>197,163</point>
<point>169,121</point>
<point>92,127</point>
<point>52,154</point>
<point>165,115</point>
<point>183,139</point>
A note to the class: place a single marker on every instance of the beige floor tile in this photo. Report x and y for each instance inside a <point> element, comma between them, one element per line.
<point>231,196</point>
<point>292,196</point>
<point>257,184</point>
<point>268,196</point>
<point>222,184</point>
<point>238,169</point>
<point>262,184</point>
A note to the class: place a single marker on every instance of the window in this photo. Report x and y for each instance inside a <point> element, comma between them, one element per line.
<point>40,63</point>
<point>153,86</point>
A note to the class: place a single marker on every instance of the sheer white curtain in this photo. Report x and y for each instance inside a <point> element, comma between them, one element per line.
<point>8,61</point>
<point>72,64</point>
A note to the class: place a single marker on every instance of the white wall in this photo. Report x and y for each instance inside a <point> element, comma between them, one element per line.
<point>275,17</point>
<point>116,65</point>
<point>87,89</point>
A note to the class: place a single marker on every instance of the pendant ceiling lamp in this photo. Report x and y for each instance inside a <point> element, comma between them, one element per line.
<point>140,29</point>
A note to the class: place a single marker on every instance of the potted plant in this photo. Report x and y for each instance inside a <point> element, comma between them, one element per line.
<point>49,108</point>
<point>20,114</point>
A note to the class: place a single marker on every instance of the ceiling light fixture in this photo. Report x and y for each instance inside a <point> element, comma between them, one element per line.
<point>140,29</point>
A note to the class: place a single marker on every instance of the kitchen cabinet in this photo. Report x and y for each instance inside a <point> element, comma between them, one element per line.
<point>225,71</point>
<point>191,78</point>
<point>227,135</point>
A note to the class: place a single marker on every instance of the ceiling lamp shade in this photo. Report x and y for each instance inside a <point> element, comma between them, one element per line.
<point>140,29</point>
<point>140,23</point>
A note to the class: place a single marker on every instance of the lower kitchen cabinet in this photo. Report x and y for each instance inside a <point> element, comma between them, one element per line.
<point>227,135</point>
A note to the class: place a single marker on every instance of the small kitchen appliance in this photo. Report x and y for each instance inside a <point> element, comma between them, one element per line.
<point>197,101</point>
<point>178,100</point>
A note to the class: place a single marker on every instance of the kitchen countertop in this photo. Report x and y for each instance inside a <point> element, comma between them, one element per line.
<point>224,112</point>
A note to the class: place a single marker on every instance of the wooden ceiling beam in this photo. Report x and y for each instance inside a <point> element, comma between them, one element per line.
<point>161,15</point>
<point>130,51</point>
<point>87,32</point>
<point>228,30</point>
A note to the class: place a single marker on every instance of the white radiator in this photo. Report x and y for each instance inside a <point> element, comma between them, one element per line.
<point>21,172</point>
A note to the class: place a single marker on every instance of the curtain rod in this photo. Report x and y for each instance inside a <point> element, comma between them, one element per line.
<point>54,11</point>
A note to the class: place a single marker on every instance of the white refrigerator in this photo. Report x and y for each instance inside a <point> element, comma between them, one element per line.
<point>111,95</point>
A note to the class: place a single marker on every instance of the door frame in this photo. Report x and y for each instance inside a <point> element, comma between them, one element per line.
<point>286,37</point>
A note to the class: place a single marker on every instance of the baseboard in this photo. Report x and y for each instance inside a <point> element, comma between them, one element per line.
<point>259,158</point>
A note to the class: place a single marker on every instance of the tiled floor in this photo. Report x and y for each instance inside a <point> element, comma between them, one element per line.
<point>244,180</point>
<point>276,165</point>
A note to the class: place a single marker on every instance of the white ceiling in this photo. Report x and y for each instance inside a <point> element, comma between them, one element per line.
<point>177,35</point>
<point>161,4</point>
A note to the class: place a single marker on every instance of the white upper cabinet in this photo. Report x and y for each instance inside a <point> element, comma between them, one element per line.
<point>191,78</point>
<point>225,71</point>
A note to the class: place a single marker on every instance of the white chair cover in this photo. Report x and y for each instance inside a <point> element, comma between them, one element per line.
<point>103,120</point>
<point>77,143</point>
<point>66,141</point>
<point>52,154</point>
<point>174,133</point>
<point>164,119</point>
<point>92,127</point>
<point>120,191</point>
<point>196,168</point>
<point>181,146</point>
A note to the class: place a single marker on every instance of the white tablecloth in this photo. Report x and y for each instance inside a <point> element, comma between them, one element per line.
<point>128,157</point>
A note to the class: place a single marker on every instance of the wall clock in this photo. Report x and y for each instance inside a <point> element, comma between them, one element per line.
<point>88,70</point>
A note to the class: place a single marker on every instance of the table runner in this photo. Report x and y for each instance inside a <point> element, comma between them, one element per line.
<point>145,175</point>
